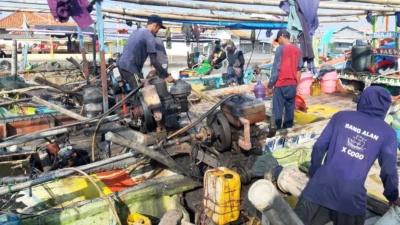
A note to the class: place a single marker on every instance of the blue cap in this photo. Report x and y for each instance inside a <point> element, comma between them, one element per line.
<point>156,19</point>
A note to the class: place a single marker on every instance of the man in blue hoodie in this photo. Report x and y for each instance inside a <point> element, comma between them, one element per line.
<point>353,140</point>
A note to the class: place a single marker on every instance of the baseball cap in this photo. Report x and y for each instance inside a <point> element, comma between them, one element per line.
<point>156,19</point>
<point>255,66</point>
<point>282,33</point>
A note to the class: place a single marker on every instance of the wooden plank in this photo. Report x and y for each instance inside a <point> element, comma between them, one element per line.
<point>172,217</point>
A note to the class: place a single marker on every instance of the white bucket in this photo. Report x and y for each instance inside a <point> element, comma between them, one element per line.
<point>392,217</point>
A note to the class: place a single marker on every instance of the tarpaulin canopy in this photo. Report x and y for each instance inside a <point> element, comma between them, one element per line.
<point>63,28</point>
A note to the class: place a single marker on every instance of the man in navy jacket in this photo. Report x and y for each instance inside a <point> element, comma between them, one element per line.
<point>353,140</point>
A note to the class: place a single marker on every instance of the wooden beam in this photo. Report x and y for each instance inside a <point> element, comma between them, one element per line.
<point>382,7</point>
<point>58,109</point>
<point>202,17</point>
<point>381,2</point>
<point>230,8</point>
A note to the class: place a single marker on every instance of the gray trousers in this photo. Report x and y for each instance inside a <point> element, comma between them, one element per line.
<point>313,214</point>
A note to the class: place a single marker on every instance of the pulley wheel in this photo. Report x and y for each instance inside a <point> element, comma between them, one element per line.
<point>221,131</point>
<point>148,123</point>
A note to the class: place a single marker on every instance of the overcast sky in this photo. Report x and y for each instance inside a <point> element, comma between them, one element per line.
<point>131,6</point>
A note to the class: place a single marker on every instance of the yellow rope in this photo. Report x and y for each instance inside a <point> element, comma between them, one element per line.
<point>114,211</point>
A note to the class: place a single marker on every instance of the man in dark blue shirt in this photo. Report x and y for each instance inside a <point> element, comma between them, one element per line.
<point>352,141</point>
<point>140,45</point>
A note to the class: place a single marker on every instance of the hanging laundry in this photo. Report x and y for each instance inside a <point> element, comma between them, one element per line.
<point>369,16</point>
<point>268,33</point>
<point>196,32</point>
<point>397,14</point>
<point>186,29</point>
<point>309,8</point>
<point>305,37</point>
<point>79,10</point>
<point>294,24</point>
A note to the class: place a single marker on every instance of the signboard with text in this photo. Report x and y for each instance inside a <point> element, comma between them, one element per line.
<point>387,51</point>
<point>385,35</point>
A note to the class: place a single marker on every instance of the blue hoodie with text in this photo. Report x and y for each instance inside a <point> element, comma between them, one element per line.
<point>353,141</point>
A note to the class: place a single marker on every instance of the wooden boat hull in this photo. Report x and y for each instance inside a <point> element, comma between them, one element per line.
<point>152,198</point>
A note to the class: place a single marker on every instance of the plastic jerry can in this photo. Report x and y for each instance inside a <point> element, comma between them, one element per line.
<point>316,89</point>
<point>222,195</point>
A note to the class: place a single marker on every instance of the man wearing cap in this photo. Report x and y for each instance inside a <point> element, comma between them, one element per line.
<point>139,46</point>
<point>235,64</point>
<point>258,74</point>
<point>284,78</point>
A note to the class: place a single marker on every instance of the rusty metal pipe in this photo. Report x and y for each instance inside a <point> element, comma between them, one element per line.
<point>31,137</point>
<point>266,198</point>
<point>245,142</point>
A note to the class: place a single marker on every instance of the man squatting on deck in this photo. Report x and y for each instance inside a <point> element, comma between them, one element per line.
<point>285,76</point>
<point>235,58</point>
<point>139,46</point>
<point>350,143</point>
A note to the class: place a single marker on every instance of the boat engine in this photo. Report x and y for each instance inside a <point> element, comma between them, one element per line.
<point>231,138</point>
<point>234,126</point>
<point>158,109</point>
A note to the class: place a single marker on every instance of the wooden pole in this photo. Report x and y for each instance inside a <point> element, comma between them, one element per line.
<point>381,2</point>
<point>382,7</point>
<point>359,8</point>
<point>119,140</point>
<point>83,52</point>
<point>45,82</point>
<point>166,15</point>
<point>292,180</point>
<point>230,8</point>
<point>58,108</point>
<point>173,217</point>
<point>374,27</point>
<point>396,29</point>
<point>14,62</point>
<point>266,198</point>
<point>32,137</point>
<point>265,11</point>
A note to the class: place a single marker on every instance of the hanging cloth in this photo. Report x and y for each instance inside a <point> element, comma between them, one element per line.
<point>369,17</point>
<point>397,14</point>
<point>168,37</point>
<point>294,24</point>
<point>196,32</point>
<point>187,32</point>
<point>79,10</point>
<point>309,8</point>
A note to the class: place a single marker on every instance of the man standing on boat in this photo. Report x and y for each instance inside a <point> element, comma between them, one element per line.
<point>284,78</point>
<point>350,144</point>
<point>139,46</point>
<point>236,62</point>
